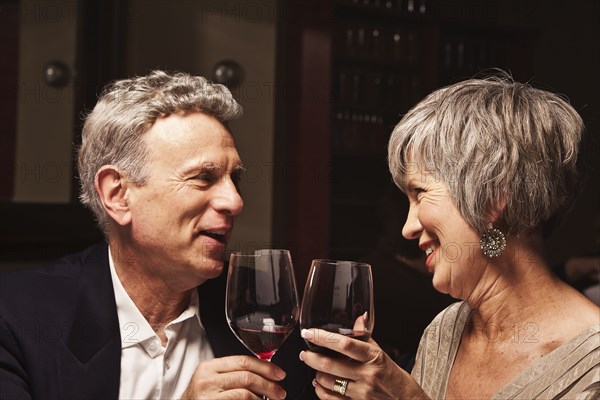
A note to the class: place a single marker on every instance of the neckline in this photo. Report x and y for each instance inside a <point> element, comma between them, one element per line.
<point>552,360</point>
<point>464,312</point>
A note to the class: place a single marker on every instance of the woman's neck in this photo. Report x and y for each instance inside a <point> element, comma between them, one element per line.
<point>515,290</point>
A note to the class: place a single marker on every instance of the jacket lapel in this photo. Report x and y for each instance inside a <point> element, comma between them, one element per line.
<point>93,340</point>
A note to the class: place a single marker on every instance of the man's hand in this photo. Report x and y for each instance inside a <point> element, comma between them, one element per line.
<point>235,377</point>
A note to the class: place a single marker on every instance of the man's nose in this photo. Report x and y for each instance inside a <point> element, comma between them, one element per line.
<point>228,199</point>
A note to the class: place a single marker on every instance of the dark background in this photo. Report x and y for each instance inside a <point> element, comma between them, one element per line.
<point>339,201</point>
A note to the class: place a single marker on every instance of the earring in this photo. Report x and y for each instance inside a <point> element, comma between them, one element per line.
<point>492,242</point>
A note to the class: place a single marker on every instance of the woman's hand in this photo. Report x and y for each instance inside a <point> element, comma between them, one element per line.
<point>235,377</point>
<point>371,374</point>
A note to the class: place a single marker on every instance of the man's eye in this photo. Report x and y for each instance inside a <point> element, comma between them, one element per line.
<point>208,178</point>
<point>236,177</point>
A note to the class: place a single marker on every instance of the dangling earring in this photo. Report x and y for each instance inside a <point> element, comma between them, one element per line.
<point>492,242</point>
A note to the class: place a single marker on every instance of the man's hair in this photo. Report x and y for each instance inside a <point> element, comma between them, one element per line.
<point>113,131</point>
<point>494,142</point>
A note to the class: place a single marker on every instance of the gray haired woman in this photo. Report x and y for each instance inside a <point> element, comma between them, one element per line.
<point>489,167</point>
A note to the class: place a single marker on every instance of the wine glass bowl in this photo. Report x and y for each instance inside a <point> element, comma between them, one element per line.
<point>261,300</point>
<point>338,298</point>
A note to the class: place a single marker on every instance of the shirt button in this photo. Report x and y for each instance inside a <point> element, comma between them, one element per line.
<point>153,345</point>
<point>167,365</point>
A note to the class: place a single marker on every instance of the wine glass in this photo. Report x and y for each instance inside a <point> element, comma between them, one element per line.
<point>261,302</point>
<point>338,297</point>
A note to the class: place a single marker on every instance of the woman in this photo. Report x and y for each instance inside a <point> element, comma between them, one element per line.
<point>489,166</point>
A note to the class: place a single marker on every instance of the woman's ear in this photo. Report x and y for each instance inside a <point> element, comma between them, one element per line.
<point>496,210</point>
<point>111,186</point>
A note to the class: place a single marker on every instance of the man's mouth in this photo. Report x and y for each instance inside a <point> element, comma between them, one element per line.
<point>218,235</point>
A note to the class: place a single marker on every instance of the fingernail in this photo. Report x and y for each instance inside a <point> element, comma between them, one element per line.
<point>302,355</point>
<point>306,334</point>
<point>284,394</point>
<point>314,382</point>
<point>365,315</point>
<point>281,374</point>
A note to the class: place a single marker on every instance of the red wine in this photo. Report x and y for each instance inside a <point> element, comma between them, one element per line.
<point>263,343</point>
<point>360,335</point>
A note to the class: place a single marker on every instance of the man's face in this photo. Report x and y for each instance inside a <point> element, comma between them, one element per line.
<point>183,216</point>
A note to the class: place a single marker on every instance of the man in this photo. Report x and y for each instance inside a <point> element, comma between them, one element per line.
<point>142,316</point>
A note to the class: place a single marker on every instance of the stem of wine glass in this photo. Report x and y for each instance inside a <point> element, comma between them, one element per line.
<point>269,360</point>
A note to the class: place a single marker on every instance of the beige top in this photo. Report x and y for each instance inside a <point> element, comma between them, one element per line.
<point>571,371</point>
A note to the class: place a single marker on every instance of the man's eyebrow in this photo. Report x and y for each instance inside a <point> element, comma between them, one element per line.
<point>209,166</point>
<point>239,168</point>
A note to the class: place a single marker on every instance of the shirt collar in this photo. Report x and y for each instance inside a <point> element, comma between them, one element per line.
<point>134,328</point>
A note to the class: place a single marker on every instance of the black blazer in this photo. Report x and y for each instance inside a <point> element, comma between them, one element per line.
<point>60,338</point>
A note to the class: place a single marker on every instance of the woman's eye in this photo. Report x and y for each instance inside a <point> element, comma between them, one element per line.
<point>418,193</point>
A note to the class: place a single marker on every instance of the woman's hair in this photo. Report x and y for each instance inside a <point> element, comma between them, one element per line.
<point>113,131</point>
<point>497,145</point>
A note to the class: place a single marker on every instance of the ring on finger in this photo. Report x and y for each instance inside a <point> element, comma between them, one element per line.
<point>340,386</point>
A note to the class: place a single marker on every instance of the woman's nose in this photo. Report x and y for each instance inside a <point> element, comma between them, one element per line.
<point>412,227</point>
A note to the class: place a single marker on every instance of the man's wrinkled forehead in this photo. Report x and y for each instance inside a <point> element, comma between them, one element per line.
<point>227,138</point>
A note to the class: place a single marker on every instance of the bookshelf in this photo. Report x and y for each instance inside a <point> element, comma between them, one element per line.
<point>376,58</point>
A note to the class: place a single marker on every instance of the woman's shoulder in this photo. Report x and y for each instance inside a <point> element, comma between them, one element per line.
<point>578,316</point>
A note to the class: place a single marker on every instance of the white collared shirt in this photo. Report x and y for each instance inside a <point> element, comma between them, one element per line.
<point>149,370</point>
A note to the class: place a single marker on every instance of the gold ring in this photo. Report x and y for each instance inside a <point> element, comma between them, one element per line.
<point>340,386</point>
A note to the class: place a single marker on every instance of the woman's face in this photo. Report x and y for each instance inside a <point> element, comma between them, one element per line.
<point>450,243</point>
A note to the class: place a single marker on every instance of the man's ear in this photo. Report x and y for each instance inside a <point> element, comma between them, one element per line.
<point>112,190</point>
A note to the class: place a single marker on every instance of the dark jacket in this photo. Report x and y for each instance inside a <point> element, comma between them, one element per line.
<point>60,338</point>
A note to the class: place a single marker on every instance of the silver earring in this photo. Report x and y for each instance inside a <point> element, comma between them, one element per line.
<point>492,242</point>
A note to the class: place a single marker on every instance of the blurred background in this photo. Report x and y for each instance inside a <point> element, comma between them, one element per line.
<point>322,84</point>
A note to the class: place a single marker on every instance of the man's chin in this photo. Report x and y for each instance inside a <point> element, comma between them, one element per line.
<point>213,251</point>
<point>212,268</point>
<point>211,263</point>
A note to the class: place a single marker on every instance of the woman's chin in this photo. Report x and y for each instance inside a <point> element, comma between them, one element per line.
<point>440,284</point>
